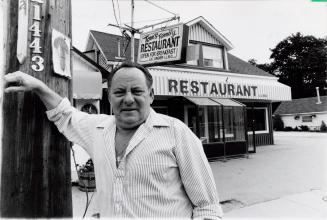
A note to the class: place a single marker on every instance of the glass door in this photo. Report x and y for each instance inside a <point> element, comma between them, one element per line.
<point>195,119</point>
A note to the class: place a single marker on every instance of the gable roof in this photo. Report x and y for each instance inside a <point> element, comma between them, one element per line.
<point>107,44</point>
<point>212,30</point>
<point>103,71</point>
<point>302,105</point>
<point>237,65</point>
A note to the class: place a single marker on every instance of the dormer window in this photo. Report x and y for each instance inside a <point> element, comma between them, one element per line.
<point>205,56</point>
<point>212,57</point>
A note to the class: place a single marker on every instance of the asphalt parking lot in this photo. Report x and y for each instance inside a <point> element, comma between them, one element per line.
<point>295,164</point>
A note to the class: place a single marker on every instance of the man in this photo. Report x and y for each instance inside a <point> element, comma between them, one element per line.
<point>146,164</point>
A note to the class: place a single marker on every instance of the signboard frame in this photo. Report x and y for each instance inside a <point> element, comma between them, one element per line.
<point>163,46</point>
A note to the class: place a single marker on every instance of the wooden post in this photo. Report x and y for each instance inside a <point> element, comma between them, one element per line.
<point>3,36</point>
<point>35,169</point>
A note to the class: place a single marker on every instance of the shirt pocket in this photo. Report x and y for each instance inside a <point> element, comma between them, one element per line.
<point>148,179</point>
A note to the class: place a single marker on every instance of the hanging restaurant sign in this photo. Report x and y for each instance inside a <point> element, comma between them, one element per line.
<point>166,45</point>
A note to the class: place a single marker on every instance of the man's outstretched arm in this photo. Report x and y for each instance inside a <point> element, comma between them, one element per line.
<point>20,82</point>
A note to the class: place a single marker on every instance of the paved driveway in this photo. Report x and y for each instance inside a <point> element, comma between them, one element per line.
<point>295,164</point>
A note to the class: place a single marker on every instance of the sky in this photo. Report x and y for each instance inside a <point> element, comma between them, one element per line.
<point>252,26</point>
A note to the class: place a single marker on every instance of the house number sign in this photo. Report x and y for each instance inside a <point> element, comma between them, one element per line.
<point>36,59</point>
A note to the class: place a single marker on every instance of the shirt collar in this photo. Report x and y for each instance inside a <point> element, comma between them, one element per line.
<point>153,120</point>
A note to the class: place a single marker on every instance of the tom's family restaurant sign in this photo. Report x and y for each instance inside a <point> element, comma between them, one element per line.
<point>163,45</point>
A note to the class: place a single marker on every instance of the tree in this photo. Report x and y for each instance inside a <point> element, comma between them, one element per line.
<point>323,127</point>
<point>265,66</point>
<point>278,123</point>
<point>301,62</point>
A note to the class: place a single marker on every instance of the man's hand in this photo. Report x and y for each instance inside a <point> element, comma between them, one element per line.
<point>20,82</point>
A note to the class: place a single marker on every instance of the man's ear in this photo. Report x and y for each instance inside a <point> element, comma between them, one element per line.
<point>152,95</point>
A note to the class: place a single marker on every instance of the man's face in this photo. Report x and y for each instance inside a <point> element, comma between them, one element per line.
<point>130,97</point>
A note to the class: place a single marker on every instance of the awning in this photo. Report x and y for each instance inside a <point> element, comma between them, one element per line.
<point>228,102</point>
<point>208,84</point>
<point>214,102</point>
<point>202,101</point>
<point>87,85</point>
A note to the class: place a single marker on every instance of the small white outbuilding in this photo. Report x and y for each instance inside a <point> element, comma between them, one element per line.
<point>311,112</point>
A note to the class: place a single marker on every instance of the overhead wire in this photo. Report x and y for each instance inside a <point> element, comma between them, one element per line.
<point>119,12</point>
<point>114,9</point>
<point>160,7</point>
<point>119,24</point>
<point>142,21</point>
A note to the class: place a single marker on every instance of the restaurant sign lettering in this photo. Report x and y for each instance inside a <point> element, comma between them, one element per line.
<point>166,45</point>
<point>196,87</point>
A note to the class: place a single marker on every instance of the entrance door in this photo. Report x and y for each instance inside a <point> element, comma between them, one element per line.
<point>195,118</point>
<point>191,119</point>
<point>251,131</point>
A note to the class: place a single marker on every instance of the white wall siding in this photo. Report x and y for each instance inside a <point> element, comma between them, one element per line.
<point>198,33</point>
<point>289,120</point>
<point>81,64</point>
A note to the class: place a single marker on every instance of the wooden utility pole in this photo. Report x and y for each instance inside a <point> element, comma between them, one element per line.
<point>35,164</point>
<point>132,32</point>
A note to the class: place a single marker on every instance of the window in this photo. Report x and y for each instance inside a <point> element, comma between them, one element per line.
<point>234,123</point>
<point>212,57</point>
<point>306,118</point>
<point>214,123</point>
<point>211,124</point>
<point>191,114</point>
<point>259,118</point>
<point>193,54</point>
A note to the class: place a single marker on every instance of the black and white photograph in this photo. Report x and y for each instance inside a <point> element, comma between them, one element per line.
<point>213,109</point>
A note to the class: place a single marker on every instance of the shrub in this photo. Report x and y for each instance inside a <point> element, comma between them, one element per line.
<point>288,128</point>
<point>323,127</point>
<point>87,167</point>
<point>304,128</point>
<point>278,123</point>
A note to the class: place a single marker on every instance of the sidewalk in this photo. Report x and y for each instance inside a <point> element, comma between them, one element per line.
<point>308,205</point>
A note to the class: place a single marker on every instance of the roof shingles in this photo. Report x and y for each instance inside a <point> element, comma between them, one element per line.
<point>237,65</point>
<point>108,44</point>
<point>302,105</point>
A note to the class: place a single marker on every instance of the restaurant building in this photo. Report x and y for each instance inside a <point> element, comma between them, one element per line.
<point>223,99</point>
